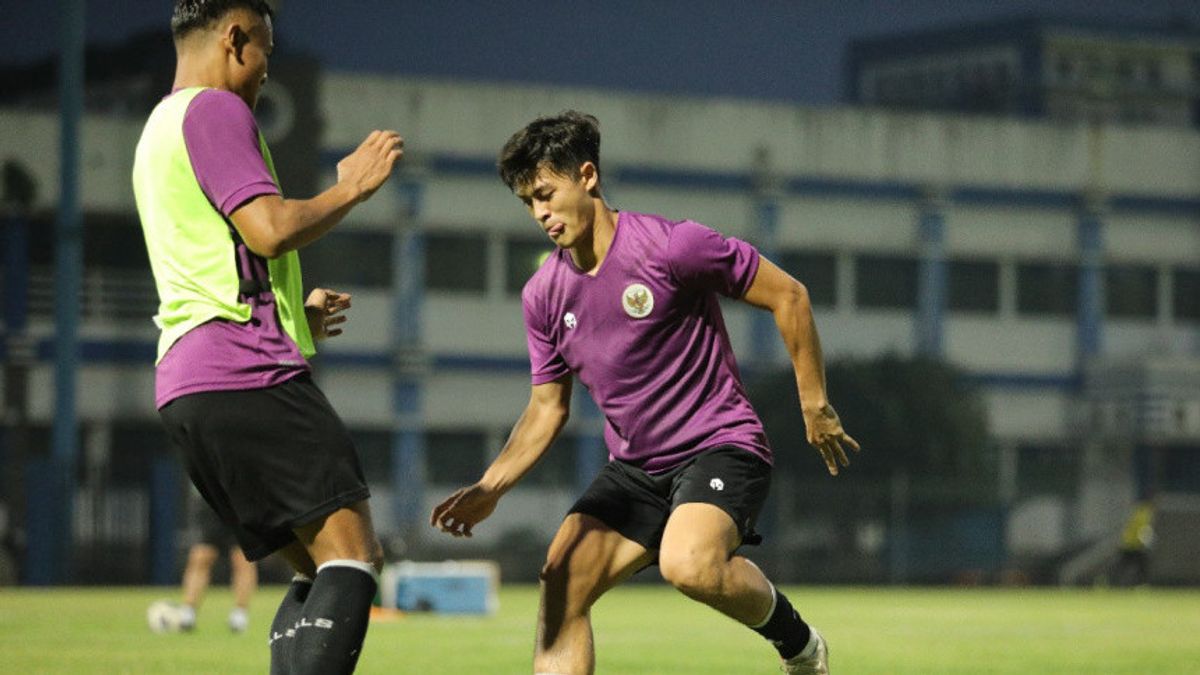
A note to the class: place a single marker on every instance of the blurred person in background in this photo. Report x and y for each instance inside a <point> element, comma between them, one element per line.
<point>212,539</point>
<point>1137,537</point>
<point>627,302</point>
<point>234,388</point>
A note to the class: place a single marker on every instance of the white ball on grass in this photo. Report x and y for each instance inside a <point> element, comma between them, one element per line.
<point>164,616</point>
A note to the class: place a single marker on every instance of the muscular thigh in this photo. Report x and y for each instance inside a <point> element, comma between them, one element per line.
<point>587,557</point>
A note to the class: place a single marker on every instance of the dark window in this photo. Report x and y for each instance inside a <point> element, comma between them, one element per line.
<point>1131,291</point>
<point>375,452</point>
<point>1124,70</point>
<point>1043,469</point>
<point>817,271</point>
<point>1066,68</point>
<point>557,466</point>
<point>455,457</point>
<point>111,241</point>
<point>1185,283</point>
<point>523,258</point>
<point>973,286</point>
<point>888,282</point>
<point>1047,289</point>
<point>1153,72</point>
<point>456,261</point>
<point>349,258</point>
<point>134,448</point>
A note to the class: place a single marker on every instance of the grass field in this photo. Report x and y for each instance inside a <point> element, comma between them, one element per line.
<point>645,630</point>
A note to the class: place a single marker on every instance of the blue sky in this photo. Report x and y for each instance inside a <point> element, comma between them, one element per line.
<point>766,49</point>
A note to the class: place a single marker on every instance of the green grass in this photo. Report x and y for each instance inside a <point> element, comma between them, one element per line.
<point>645,630</point>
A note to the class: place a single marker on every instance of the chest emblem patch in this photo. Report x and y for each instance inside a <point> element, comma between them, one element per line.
<point>637,301</point>
<point>569,320</point>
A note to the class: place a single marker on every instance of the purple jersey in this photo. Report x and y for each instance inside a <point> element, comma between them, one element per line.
<point>646,337</point>
<point>223,145</point>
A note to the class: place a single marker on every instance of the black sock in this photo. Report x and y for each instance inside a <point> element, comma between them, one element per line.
<point>784,628</point>
<point>281,627</point>
<point>330,632</point>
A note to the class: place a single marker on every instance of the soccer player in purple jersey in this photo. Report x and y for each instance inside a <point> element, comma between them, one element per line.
<point>233,385</point>
<point>627,303</point>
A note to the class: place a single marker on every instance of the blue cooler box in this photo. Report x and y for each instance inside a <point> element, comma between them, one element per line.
<point>450,587</point>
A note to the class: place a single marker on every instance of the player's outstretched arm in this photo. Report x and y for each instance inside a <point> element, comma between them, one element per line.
<point>787,299</point>
<point>544,416</point>
<point>271,225</point>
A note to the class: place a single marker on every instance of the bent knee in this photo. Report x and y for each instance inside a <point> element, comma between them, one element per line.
<point>694,575</point>
<point>373,554</point>
<point>369,552</point>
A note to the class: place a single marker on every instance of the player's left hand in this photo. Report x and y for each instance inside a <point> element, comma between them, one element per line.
<point>323,309</point>
<point>825,433</point>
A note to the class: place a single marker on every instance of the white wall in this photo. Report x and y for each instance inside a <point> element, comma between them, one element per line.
<point>688,134</point>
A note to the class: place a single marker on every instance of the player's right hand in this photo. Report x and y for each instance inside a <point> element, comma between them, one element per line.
<point>464,509</point>
<point>371,163</point>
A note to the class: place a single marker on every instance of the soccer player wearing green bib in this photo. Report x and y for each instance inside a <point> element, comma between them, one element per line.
<point>233,386</point>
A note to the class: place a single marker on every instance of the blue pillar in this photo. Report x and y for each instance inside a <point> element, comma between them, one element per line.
<point>931,281</point>
<point>590,451</point>
<point>165,483</point>
<point>1089,315</point>
<point>409,361</point>
<point>40,567</point>
<point>68,274</point>
<point>764,336</point>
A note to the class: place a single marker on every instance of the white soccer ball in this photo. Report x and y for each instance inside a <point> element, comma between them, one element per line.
<point>164,616</point>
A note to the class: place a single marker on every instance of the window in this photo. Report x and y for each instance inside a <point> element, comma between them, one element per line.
<point>1047,469</point>
<point>523,257</point>
<point>1066,68</point>
<point>1153,72</point>
<point>1047,289</point>
<point>885,282</point>
<point>349,258</point>
<point>456,261</point>
<point>1185,284</point>
<point>455,457</point>
<point>1124,70</point>
<point>134,447</point>
<point>973,286</point>
<point>114,242</point>
<point>1131,291</point>
<point>817,271</point>
<point>451,457</point>
<point>557,466</point>
<point>374,448</point>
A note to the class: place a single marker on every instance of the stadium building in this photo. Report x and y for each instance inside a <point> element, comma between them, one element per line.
<point>1068,70</point>
<point>1056,261</point>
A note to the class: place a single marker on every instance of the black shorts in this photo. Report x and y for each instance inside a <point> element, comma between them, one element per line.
<point>267,460</point>
<point>206,527</point>
<point>637,504</point>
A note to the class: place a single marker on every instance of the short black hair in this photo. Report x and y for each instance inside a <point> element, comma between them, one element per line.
<point>190,15</point>
<point>562,143</point>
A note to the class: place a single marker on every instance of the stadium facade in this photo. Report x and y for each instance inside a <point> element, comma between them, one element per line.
<point>1039,256</point>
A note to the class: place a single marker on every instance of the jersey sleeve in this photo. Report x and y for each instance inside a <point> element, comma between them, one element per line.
<point>545,363</point>
<point>223,145</point>
<point>704,259</point>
